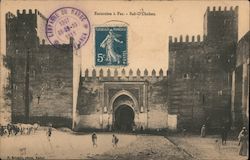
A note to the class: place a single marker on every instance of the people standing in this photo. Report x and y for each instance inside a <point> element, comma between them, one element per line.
<point>203,131</point>
<point>114,140</point>
<point>243,142</point>
<point>94,139</point>
<point>49,131</point>
<point>224,135</point>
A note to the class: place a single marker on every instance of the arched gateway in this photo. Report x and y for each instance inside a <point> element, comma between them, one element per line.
<point>123,104</point>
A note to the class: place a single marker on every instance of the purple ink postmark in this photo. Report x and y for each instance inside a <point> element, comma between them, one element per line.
<point>65,23</point>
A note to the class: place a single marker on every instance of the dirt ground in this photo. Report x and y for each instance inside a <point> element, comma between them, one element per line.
<point>145,147</point>
<point>67,145</point>
<point>64,145</point>
<point>208,148</point>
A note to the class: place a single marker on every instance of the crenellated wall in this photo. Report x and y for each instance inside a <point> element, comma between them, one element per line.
<point>46,70</point>
<point>221,24</point>
<point>28,24</point>
<point>199,71</point>
<point>122,75</point>
<point>186,39</point>
<point>222,9</point>
<point>96,98</point>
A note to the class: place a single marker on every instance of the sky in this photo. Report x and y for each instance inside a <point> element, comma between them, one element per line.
<point>147,35</point>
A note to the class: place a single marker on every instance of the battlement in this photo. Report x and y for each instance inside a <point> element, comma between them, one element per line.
<point>187,39</point>
<point>30,12</point>
<point>45,42</point>
<point>122,74</point>
<point>25,12</point>
<point>10,15</point>
<point>220,9</point>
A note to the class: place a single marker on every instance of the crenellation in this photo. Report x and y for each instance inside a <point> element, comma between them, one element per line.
<point>138,72</point>
<point>122,74</point>
<point>198,38</point>
<point>130,72</point>
<point>30,12</point>
<point>170,39</point>
<point>219,9</point>
<point>153,72</point>
<point>108,73</point>
<point>161,73</point>
<point>86,73</point>
<point>10,15</point>
<point>116,73</point>
<point>193,40</point>
<point>208,9</point>
<point>187,38</point>
<point>101,73</point>
<point>175,39</point>
<point>94,73</point>
<point>145,72</point>
<point>180,38</point>
<point>236,8</point>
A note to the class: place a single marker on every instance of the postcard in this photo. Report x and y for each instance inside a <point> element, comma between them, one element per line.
<point>124,80</point>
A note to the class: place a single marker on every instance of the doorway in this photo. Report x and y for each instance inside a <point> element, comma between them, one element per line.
<point>124,118</point>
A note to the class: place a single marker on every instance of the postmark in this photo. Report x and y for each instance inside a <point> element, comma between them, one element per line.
<point>65,23</point>
<point>111,46</point>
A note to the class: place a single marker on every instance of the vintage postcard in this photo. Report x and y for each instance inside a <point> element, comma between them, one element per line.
<point>124,80</point>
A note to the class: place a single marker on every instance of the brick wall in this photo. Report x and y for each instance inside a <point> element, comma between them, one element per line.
<point>50,71</point>
<point>95,93</point>
<point>199,72</point>
<point>240,102</point>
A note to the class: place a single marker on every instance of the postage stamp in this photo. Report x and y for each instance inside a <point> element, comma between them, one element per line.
<point>66,23</point>
<point>111,46</point>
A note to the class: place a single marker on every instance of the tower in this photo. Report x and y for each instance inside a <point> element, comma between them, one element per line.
<point>221,25</point>
<point>39,72</point>
<point>199,89</point>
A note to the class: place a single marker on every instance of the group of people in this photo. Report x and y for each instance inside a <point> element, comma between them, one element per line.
<point>115,140</point>
<point>242,138</point>
<point>19,128</point>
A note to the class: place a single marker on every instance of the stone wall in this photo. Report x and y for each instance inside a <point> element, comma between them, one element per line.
<point>39,73</point>
<point>51,83</point>
<point>240,89</point>
<point>98,97</point>
<point>199,72</point>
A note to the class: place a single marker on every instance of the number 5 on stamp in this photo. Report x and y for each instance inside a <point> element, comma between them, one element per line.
<point>111,46</point>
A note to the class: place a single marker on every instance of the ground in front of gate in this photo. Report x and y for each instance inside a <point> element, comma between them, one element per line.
<point>67,145</point>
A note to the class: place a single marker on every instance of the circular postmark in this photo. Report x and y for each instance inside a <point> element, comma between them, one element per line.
<point>66,23</point>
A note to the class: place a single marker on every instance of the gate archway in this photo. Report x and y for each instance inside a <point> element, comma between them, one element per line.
<point>123,104</point>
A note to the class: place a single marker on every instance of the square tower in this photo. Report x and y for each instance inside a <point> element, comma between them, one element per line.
<point>221,25</point>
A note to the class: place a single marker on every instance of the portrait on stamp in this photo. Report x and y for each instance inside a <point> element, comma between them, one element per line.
<point>111,46</point>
